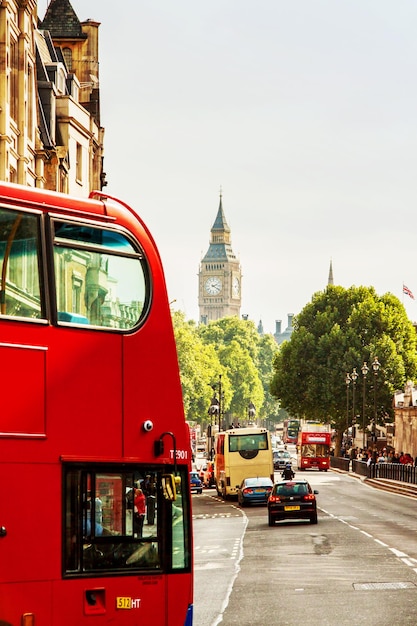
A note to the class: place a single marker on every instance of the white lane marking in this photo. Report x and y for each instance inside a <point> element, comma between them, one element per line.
<point>239,547</point>
<point>407,560</point>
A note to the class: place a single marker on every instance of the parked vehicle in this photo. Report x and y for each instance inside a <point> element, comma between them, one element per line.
<point>196,486</point>
<point>206,474</point>
<point>292,499</point>
<point>254,490</point>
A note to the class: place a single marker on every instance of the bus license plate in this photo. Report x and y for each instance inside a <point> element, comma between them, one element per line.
<point>291,508</point>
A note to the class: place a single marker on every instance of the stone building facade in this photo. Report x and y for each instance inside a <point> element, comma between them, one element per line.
<point>405,412</point>
<point>50,132</point>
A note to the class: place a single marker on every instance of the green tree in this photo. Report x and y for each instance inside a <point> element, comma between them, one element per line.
<point>197,362</point>
<point>336,332</point>
<point>245,382</point>
<point>267,349</point>
<point>237,344</point>
<point>222,332</point>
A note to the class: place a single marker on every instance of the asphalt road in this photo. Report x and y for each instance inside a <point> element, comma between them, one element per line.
<point>358,565</point>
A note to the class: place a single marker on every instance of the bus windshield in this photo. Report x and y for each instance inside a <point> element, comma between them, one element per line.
<point>315,450</point>
<point>241,443</point>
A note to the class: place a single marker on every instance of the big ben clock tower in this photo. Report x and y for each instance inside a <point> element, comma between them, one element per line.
<point>220,276</point>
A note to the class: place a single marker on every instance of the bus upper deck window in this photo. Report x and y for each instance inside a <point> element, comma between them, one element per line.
<point>20,289</point>
<point>101,278</point>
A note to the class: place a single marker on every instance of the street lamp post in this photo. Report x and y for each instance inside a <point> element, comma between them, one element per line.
<point>217,405</point>
<point>353,378</point>
<point>347,381</point>
<point>375,366</point>
<point>221,407</point>
<point>214,409</point>
<point>365,370</point>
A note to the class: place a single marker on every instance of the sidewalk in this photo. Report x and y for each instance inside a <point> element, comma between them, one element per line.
<point>395,486</point>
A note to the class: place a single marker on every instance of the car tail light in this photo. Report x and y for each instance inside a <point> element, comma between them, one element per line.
<point>247,490</point>
<point>309,497</point>
<point>274,499</point>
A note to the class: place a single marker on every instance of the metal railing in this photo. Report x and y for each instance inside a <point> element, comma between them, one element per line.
<point>394,471</point>
<point>340,462</point>
<point>360,467</point>
<point>391,471</point>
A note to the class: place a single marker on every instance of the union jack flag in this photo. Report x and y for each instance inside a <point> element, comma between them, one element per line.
<point>408,291</point>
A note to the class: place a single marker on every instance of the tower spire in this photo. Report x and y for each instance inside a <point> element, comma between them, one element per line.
<point>330,279</point>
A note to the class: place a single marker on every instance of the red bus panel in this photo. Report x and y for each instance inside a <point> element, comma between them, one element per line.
<point>92,422</point>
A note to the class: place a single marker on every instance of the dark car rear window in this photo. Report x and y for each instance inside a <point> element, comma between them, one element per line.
<point>291,489</point>
<point>255,482</point>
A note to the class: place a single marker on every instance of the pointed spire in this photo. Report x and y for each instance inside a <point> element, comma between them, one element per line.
<point>62,21</point>
<point>220,221</point>
<point>330,279</point>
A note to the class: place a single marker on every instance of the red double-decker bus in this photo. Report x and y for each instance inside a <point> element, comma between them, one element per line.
<point>95,517</point>
<point>290,430</point>
<point>313,449</point>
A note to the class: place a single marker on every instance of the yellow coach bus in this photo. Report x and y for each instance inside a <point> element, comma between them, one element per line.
<point>241,453</point>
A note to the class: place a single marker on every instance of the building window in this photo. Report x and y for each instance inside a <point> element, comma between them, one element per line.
<point>77,286</point>
<point>14,78</point>
<point>29,103</point>
<point>67,54</point>
<point>79,163</point>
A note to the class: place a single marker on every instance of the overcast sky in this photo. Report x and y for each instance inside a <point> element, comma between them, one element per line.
<point>304,112</point>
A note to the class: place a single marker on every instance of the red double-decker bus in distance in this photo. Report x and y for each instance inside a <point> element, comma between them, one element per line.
<point>313,450</point>
<point>290,431</point>
<point>95,517</point>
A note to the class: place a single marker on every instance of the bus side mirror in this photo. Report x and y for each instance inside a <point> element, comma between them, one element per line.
<point>169,488</point>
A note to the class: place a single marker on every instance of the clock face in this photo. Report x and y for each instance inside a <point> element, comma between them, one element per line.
<point>236,286</point>
<point>213,285</point>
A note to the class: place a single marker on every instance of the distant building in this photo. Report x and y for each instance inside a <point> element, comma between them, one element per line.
<point>405,412</point>
<point>220,275</point>
<point>281,336</point>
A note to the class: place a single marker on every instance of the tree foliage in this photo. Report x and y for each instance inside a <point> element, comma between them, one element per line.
<point>197,362</point>
<point>337,331</point>
<point>230,348</point>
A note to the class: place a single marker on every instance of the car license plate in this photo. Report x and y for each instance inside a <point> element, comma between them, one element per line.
<point>259,490</point>
<point>291,508</point>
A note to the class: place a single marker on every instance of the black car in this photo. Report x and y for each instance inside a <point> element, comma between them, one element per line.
<point>292,499</point>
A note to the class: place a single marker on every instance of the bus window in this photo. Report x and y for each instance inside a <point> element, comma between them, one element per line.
<point>20,291</point>
<point>101,279</point>
<point>108,530</point>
